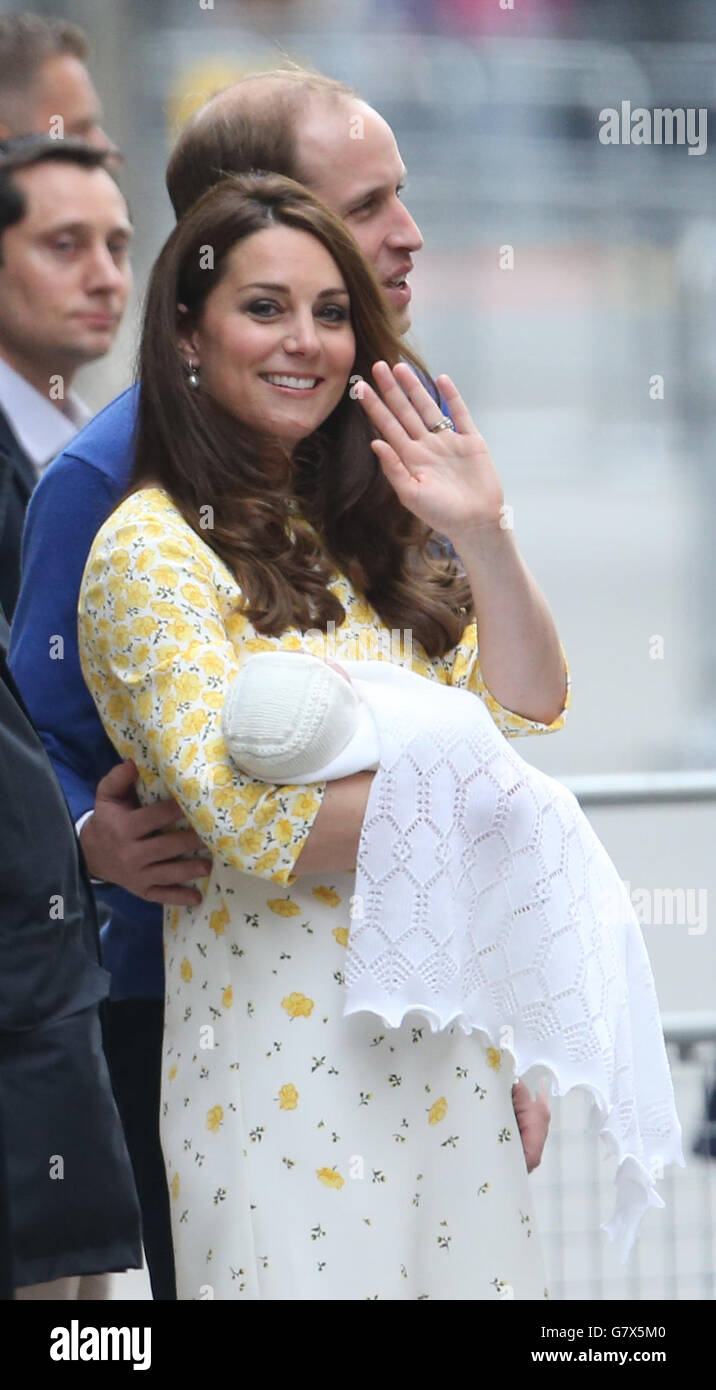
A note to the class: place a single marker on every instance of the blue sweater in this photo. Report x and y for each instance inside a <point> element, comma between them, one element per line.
<point>70,503</point>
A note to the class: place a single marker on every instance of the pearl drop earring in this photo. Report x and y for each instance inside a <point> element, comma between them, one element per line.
<point>193,377</point>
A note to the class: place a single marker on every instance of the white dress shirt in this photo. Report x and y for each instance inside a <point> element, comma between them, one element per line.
<point>40,427</point>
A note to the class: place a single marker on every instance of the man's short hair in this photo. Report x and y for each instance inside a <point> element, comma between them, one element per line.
<point>27,42</point>
<point>236,131</point>
<point>24,152</point>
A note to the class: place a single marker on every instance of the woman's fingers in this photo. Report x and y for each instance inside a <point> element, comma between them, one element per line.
<point>427,407</point>
<point>405,412</point>
<point>383,418</point>
<point>397,401</point>
<point>461,417</point>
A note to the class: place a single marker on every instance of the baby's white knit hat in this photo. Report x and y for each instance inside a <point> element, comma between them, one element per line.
<point>286,713</point>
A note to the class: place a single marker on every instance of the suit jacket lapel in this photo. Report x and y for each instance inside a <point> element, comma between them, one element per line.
<point>15,464</point>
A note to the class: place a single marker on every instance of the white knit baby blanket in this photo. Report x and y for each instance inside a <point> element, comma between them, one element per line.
<point>484,899</point>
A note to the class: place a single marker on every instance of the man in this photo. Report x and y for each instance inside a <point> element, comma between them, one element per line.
<point>73,1211</point>
<point>43,76</point>
<point>319,131</point>
<point>64,281</point>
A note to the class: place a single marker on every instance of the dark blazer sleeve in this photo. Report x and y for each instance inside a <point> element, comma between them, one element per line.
<point>49,939</point>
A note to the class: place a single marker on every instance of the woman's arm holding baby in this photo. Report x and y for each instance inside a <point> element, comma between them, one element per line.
<point>332,844</point>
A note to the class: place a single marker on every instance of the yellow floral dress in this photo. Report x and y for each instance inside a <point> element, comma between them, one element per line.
<point>308,1156</point>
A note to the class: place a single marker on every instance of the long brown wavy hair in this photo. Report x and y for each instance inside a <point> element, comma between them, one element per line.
<point>205,456</point>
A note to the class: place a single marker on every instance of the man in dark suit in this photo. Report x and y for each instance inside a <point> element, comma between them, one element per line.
<point>73,1210</point>
<point>64,281</point>
<point>64,278</point>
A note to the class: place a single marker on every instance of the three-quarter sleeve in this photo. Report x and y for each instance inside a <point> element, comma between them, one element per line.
<point>160,641</point>
<point>464,670</point>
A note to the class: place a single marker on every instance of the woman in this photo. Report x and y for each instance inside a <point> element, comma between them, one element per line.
<point>309,1156</point>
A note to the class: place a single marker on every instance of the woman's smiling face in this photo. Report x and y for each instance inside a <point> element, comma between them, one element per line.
<point>274,343</point>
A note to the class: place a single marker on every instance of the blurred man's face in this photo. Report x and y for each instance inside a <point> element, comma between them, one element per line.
<point>362,179</point>
<point>64,271</point>
<point>63,87</point>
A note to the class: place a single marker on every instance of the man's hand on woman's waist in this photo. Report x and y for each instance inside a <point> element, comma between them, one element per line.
<point>123,843</point>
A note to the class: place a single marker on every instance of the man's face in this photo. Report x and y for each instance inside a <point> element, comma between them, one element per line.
<point>64,272</point>
<point>63,87</point>
<point>361,179</point>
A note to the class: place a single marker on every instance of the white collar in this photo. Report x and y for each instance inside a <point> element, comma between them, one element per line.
<point>41,428</point>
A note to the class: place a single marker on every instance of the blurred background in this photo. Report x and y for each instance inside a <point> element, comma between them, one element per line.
<point>612,482</point>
